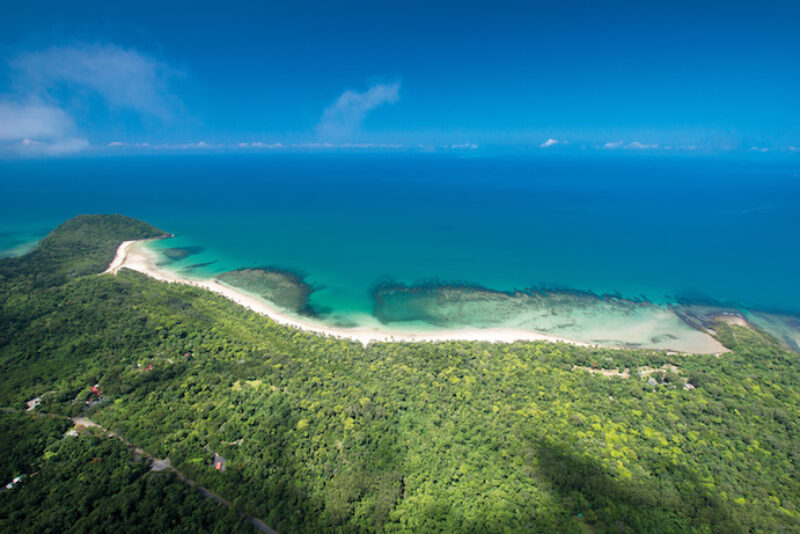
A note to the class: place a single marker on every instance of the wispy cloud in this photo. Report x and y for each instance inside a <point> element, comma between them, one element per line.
<point>301,146</point>
<point>124,78</point>
<point>56,147</point>
<point>468,146</point>
<point>611,145</point>
<point>35,118</point>
<point>549,143</point>
<point>259,144</point>
<point>18,121</point>
<point>633,145</point>
<point>37,129</point>
<point>347,145</point>
<point>196,145</point>
<point>344,117</point>
<point>321,145</point>
<point>636,145</point>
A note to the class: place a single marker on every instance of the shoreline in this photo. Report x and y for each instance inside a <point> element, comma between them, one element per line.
<point>134,255</point>
<point>19,250</point>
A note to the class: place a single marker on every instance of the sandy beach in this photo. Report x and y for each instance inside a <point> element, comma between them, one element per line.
<point>135,256</point>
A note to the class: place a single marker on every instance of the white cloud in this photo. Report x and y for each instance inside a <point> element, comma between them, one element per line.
<point>198,145</point>
<point>328,145</point>
<point>57,147</point>
<point>636,145</point>
<point>469,146</point>
<point>259,144</point>
<point>759,149</point>
<point>123,77</point>
<point>37,129</point>
<point>549,143</point>
<point>18,121</point>
<point>345,116</point>
<point>35,118</point>
<point>301,146</point>
<point>318,145</point>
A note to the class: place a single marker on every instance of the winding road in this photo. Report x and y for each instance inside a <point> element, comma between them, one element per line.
<point>158,464</point>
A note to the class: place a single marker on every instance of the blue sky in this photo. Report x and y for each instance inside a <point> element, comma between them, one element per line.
<point>100,78</point>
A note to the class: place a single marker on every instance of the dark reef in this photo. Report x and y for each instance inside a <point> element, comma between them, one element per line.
<point>451,304</point>
<point>457,304</point>
<point>180,253</point>
<point>199,265</point>
<point>284,288</point>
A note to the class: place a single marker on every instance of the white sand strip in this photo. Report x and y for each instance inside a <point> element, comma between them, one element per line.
<point>135,256</point>
<point>119,258</point>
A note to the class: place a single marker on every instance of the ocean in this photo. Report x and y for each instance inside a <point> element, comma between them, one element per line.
<point>663,230</point>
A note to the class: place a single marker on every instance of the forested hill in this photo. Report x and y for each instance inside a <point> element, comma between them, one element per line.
<point>85,244</point>
<point>324,435</point>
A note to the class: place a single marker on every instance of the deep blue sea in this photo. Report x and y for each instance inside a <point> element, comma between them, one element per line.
<point>641,226</point>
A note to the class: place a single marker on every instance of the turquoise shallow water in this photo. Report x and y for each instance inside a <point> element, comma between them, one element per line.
<point>639,227</point>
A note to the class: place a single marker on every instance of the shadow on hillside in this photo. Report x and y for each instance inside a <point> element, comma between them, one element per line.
<point>364,480</point>
<point>673,502</point>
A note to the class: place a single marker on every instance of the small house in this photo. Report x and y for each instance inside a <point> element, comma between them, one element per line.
<point>14,482</point>
<point>219,463</point>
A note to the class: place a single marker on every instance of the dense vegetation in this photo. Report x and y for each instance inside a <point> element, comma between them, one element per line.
<point>23,439</point>
<point>93,483</point>
<point>326,435</point>
<point>83,245</point>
